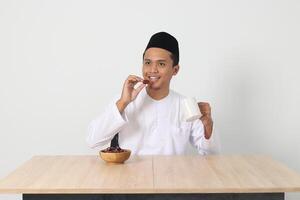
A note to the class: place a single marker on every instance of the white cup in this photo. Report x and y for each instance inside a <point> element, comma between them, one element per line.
<point>190,109</point>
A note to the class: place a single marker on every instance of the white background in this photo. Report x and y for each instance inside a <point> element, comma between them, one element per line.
<point>62,61</point>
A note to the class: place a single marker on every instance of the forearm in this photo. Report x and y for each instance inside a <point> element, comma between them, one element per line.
<point>102,129</point>
<point>208,126</point>
<point>121,106</point>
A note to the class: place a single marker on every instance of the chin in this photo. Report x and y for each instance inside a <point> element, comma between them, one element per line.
<point>153,87</point>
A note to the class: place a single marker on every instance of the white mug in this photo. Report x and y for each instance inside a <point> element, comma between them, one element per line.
<point>190,109</point>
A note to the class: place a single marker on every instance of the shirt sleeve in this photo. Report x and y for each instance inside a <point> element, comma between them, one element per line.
<point>102,129</point>
<point>204,146</point>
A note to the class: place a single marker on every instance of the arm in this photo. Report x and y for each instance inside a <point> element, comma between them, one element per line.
<point>102,129</point>
<point>202,131</point>
<point>113,119</point>
<point>197,138</point>
<point>206,118</point>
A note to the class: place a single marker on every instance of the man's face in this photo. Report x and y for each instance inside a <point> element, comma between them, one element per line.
<point>158,68</point>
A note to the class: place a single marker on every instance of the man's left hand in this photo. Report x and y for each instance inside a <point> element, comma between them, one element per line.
<point>206,119</point>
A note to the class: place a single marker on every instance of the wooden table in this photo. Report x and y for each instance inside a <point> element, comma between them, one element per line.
<point>152,177</point>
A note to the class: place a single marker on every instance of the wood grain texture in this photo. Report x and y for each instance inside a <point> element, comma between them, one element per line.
<point>228,174</point>
<point>79,174</point>
<point>151,174</point>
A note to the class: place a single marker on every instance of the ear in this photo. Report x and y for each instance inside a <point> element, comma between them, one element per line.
<point>175,69</point>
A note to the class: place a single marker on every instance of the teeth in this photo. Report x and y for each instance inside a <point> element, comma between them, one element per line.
<point>153,77</point>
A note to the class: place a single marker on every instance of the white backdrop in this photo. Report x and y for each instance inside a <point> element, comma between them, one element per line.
<point>61,62</point>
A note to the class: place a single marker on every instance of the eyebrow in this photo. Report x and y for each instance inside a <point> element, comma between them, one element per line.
<point>161,60</point>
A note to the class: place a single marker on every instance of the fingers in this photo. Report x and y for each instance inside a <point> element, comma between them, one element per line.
<point>137,90</point>
<point>203,104</point>
<point>132,80</point>
<point>205,108</point>
<point>129,92</point>
<point>140,87</point>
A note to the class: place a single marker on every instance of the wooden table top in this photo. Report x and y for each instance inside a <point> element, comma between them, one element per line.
<point>151,174</point>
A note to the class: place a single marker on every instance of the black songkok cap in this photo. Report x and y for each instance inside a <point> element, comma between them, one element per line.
<point>165,41</point>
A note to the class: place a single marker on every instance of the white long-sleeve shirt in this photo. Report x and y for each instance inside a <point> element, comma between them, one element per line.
<point>149,126</point>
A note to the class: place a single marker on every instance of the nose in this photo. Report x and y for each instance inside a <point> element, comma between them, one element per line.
<point>154,67</point>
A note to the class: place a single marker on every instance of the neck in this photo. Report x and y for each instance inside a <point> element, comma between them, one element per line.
<point>157,94</point>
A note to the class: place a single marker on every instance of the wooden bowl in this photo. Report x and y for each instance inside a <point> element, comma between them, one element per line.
<point>115,157</point>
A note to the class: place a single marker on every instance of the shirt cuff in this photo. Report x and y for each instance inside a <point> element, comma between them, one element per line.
<point>118,116</point>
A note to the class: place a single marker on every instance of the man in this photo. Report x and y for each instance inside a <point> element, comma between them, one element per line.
<point>148,115</point>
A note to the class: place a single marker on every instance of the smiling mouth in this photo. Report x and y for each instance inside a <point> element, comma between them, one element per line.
<point>153,78</point>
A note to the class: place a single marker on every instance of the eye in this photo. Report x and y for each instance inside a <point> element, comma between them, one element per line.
<point>162,64</point>
<point>147,62</point>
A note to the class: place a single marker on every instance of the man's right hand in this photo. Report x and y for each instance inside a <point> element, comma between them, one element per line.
<point>129,93</point>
